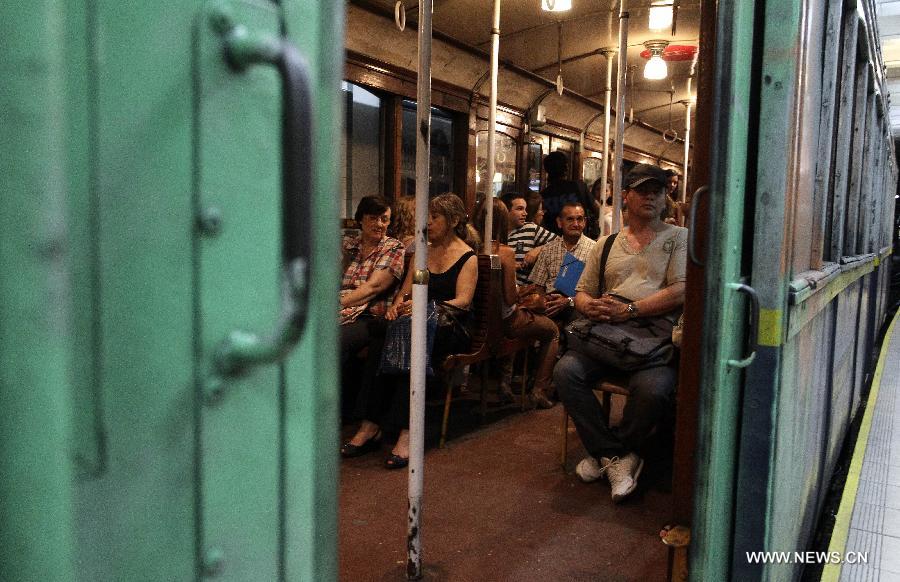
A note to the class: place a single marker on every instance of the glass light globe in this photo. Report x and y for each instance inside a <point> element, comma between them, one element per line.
<point>556,5</point>
<point>656,68</point>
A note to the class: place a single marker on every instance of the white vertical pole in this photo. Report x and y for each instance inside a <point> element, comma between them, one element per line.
<point>607,115</point>
<point>688,104</point>
<point>620,117</point>
<point>420,300</point>
<point>492,130</point>
<point>687,145</point>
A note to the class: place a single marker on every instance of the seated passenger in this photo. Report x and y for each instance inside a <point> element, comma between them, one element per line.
<point>453,274</point>
<point>525,237</point>
<point>405,222</point>
<point>520,323</point>
<point>373,268</point>
<point>561,308</point>
<point>647,265</point>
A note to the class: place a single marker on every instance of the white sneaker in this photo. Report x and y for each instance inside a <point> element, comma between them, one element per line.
<point>589,470</point>
<point>623,475</point>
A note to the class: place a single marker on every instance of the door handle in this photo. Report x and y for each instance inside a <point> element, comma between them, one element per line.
<point>753,334</point>
<point>242,349</point>
<point>695,204</point>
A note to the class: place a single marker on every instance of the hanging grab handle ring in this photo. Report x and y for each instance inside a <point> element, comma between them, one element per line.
<point>400,15</point>
<point>670,135</point>
<point>752,335</point>
<point>241,349</point>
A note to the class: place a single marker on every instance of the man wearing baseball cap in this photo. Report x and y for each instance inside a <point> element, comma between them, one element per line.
<point>644,276</point>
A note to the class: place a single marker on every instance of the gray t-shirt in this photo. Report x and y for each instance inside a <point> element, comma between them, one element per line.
<point>636,275</point>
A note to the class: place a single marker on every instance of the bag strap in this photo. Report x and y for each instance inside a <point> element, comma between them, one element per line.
<point>607,246</point>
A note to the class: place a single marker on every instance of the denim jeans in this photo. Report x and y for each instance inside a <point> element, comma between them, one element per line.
<point>650,396</point>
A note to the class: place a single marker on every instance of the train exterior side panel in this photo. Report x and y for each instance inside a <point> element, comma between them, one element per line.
<point>799,450</point>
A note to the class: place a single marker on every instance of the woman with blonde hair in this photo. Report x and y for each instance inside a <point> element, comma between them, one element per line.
<point>405,222</point>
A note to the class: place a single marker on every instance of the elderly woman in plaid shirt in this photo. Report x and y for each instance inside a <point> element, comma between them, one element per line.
<point>373,268</point>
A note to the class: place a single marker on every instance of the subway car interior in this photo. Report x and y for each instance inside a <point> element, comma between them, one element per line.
<point>485,193</point>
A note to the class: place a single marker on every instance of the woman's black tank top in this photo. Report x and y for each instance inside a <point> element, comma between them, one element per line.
<point>442,286</point>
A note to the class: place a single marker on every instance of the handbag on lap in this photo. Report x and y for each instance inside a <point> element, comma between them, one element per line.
<point>634,344</point>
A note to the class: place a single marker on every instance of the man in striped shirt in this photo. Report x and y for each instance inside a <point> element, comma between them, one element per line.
<point>525,237</point>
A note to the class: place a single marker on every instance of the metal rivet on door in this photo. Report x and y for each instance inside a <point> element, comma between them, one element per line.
<point>210,221</point>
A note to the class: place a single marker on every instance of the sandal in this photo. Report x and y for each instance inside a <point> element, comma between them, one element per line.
<point>396,462</point>
<point>349,450</point>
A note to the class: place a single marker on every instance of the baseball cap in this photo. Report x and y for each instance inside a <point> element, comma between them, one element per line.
<point>642,173</point>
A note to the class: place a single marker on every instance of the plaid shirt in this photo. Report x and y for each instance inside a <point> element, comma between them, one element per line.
<point>387,255</point>
<point>547,266</point>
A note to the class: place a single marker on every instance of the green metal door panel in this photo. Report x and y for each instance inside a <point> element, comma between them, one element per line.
<point>88,436</point>
<point>36,542</point>
<point>141,507</point>
<point>238,206</point>
<point>723,326</point>
<point>311,421</point>
<point>779,122</point>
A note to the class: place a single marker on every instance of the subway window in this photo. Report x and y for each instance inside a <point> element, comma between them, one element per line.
<point>504,179</point>
<point>362,155</point>
<point>442,158</point>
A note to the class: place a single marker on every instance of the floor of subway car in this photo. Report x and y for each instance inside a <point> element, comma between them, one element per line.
<point>498,506</point>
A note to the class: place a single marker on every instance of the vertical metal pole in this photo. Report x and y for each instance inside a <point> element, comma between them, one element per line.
<point>607,115</point>
<point>420,301</point>
<point>492,129</point>
<point>687,145</point>
<point>620,117</point>
<point>689,105</point>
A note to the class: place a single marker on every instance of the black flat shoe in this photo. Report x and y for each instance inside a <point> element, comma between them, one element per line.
<point>396,462</point>
<point>348,450</point>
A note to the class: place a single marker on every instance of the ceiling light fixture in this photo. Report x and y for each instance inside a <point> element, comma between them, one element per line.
<point>656,67</point>
<point>556,5</point>
<point>661,14</point>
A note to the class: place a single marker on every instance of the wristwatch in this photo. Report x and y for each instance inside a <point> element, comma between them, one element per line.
<point>571,302</point>
<point>631,309</point>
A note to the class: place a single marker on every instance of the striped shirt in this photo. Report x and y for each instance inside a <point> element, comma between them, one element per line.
<point>523,240</point>
<point>547,266</point>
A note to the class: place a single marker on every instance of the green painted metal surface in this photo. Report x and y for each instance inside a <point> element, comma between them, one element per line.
<point>142,214</point>
<point>36,536</point>
<point>778,110</point>
<point>723,329</point>
<point>311,459</point>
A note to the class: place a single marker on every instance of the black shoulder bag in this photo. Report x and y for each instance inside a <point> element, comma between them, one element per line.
<point>635,344</point>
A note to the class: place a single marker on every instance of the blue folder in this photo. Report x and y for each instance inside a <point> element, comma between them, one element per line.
<point>568,276</point>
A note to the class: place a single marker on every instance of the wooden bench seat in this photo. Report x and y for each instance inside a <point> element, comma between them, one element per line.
<point>488,340</point>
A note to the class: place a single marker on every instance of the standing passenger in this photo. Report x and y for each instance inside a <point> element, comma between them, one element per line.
<point>561,191</point>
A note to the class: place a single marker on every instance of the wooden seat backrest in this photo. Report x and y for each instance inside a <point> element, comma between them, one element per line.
<point>486,327</point>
